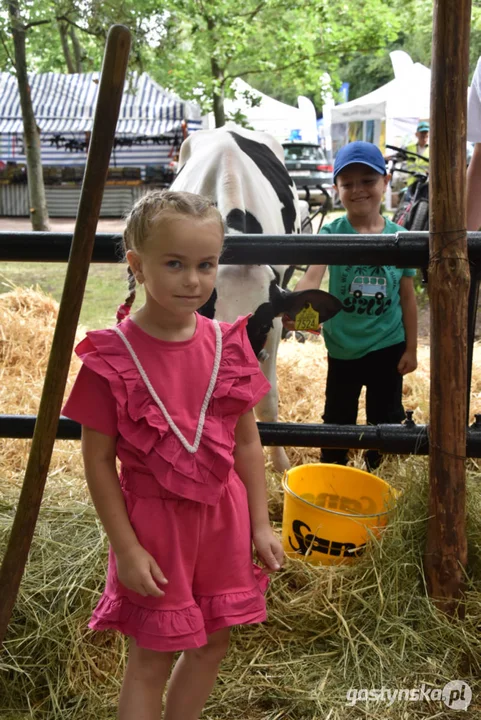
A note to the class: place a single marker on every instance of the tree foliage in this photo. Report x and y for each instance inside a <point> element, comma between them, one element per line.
<point>415,22</point>
<point>197,47</point>
<point>280,46</point>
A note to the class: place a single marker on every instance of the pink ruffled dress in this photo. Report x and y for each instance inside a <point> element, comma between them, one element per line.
<point>186,503</point>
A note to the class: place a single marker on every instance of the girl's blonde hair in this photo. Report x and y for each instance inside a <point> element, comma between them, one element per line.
<point>151,208</point>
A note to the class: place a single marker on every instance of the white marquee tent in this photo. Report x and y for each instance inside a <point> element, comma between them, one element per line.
<point>272,116</point>
<point>390,113</point>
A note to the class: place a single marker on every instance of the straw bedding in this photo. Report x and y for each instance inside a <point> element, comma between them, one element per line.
<point>330,629</point>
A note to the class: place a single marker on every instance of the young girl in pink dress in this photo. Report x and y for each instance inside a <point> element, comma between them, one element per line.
<point>170,394</point>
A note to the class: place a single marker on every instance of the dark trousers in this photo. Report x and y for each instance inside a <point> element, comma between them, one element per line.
<point>345,379</point>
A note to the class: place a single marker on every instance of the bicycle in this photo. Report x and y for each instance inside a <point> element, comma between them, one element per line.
<point>413,210</point>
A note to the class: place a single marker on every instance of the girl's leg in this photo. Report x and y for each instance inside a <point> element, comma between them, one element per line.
<point>194,676</point>
<point>144,682</point>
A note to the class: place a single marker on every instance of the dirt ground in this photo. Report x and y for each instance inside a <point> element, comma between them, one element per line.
<point>59,224</point>
<point>117,225</point>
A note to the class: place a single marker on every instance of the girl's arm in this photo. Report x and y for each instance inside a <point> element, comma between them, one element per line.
<point>409,362</point>
<point>136,569</point>
<point>249,465</point>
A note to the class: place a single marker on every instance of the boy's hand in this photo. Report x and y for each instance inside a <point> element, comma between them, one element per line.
<point>269,548</point>
<point>408,362</point>
<point>138,571</point>
<point>288,323</point>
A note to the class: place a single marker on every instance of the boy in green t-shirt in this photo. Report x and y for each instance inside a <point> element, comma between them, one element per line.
<point>372,341</point>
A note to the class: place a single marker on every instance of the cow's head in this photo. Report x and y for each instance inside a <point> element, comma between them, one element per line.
<point>282,302</point>
<point>259,294</point>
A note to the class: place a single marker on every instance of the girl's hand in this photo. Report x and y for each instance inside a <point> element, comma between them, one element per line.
<point>138,571</point>
<point>269,548</point>
<point>408,362</point>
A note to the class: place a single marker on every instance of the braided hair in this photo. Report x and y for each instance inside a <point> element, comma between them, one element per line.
<point>124,310</point>
<point>150,208</point>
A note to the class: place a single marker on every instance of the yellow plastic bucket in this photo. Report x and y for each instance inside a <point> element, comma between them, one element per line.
<point>330,510</point>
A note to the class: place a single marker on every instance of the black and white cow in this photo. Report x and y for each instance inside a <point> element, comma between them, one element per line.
<point>243,172</point>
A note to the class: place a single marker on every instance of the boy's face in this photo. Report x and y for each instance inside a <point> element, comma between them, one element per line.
<point>361,189</point>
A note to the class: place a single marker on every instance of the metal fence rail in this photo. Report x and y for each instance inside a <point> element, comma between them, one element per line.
<point>403,249</point>
<point>406,439</point>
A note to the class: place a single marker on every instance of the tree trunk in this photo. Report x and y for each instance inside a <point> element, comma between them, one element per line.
<point>446,548</point>
<point>63,30</point>
<point>77,49</point>
<point>36,188</point>
<point>218,96</point>
<point>219,114</point>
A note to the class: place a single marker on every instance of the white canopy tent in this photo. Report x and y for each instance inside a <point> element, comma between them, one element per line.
<point>272,116</point>
<point>390,113</point>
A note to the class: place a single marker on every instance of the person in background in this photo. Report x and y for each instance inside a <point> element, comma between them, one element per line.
<point>420,147</point>
<point>474,135</point>
<point>372,342</point>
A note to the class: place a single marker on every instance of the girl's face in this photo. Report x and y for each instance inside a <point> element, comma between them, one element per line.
<point>178,263</point>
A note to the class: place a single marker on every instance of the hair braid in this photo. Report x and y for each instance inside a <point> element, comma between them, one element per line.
<point>124,310</point>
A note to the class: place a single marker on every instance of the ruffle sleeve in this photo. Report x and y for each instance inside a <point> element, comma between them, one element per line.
<point>240,383</point>
<point>91,403</point>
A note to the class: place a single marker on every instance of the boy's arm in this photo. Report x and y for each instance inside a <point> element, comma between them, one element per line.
<point>312,278</point>
<point>409,362</point>
<point>474,190</point>
<point>136,568</point>
<point>249,465</point>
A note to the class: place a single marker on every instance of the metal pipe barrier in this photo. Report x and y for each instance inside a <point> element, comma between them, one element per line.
<point>405,439</point>
<point>403,249</point>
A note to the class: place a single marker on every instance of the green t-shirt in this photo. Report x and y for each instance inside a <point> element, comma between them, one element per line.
<point>371,316</point>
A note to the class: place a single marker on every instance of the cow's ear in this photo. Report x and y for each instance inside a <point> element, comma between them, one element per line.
<point>322,302</point>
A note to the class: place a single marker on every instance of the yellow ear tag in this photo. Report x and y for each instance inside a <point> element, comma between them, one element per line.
<point>307,319</point>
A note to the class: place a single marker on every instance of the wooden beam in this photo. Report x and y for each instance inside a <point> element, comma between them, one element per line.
<point>446,547</point>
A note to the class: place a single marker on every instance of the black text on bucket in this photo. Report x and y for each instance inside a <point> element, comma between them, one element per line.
<point>308,542</point>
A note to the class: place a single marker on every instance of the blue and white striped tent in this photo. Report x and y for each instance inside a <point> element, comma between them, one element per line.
<point>64,105</point>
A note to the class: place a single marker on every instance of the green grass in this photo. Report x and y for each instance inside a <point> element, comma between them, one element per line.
<point>106,288</point>
<point>105,291</point>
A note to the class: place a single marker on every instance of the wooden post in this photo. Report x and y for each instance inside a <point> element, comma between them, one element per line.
<point>106,114</point>
<point>446,548</point>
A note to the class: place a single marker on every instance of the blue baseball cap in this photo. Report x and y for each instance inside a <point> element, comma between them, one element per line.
<point>361,152</point>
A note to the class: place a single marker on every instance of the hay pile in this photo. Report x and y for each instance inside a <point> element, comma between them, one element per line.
<point>330,629</point>
<point>27,324</point>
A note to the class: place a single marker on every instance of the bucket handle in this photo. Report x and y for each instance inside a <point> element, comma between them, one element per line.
<point>395,493</point>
